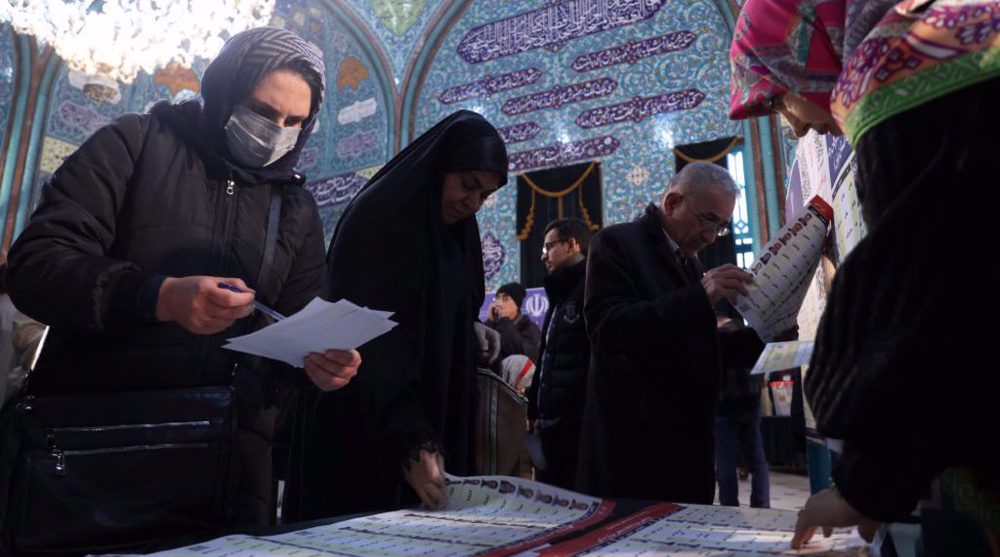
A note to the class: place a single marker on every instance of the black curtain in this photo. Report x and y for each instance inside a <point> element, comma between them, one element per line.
<point>724,249</point>
<point>546,195</point>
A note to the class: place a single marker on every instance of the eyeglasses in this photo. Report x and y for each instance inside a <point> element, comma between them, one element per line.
<point>711,221</point>
<point>547,246</point>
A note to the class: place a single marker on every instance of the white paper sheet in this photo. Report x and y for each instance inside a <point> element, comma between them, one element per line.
<point>778,356</point>
<point>318,327</point>
<point>783,272</point>
<point>486,515</point>
<point>705,531</point>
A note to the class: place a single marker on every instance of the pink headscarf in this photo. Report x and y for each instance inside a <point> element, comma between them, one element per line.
<point>785,45</point>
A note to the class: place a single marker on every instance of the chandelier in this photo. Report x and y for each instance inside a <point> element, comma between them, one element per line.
<point>118,38</point>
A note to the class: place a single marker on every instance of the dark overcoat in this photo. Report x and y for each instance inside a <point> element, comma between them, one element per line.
<point>654,377</point>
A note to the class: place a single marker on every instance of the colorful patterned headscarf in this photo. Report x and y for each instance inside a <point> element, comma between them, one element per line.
<point>785,45</point>
<point>918,52</point>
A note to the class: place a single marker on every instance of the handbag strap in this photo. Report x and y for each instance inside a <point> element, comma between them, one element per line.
<point>271,237</point>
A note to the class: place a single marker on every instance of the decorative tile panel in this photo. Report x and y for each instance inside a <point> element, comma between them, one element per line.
<point>640,108</point>
<point>669,60</point>
<point>398,15</point>
<point>352,127</point>
<point>493,255</point>
<point>332,195</point>
<point>7,75</point>
<point>633,51</point>
<point>489,85</point>
<point>399,25</point>
<point>660,67</point>
<point>551,26</point>
<point>561,154</point>
<point>560,95</point>
<point>336,191</point>
<point>54,152</point>
<point>519,132</point>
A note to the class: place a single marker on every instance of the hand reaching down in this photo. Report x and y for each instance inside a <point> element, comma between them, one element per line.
<point>426,477</point>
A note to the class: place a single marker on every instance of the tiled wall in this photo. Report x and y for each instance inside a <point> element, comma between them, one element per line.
<point>352,132</point>
<point>628,79</point>
<point>399,25</point>
<point>6,76</point>
<point>566,80</point>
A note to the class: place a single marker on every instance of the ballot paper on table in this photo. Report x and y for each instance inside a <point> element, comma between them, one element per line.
<point>779,356</point>
<point>318,327</point>
<point>486,516</point>
<point>671,530</point>
<point>783,271</point>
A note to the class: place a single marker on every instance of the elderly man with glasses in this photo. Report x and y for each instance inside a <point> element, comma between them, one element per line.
<point>657,354</point>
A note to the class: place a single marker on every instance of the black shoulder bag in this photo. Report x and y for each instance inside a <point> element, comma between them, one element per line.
<point>104,471</point>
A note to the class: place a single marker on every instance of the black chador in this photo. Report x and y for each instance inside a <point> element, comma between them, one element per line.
<point>392,251</point>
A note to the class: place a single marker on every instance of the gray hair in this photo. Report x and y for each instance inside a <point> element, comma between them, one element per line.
<point>698,175</point>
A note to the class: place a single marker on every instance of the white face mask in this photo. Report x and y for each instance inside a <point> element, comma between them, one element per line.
<point>255,141</point>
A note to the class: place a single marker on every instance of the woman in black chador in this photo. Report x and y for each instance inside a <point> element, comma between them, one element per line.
<point>408,243</point>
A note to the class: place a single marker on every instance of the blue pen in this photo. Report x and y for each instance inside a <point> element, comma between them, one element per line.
<point>257,305</point>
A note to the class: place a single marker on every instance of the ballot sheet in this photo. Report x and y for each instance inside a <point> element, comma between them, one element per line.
<point>668,530</point>
<point>491,516</point>
<point>779,356</point>
<point>826,166</point>
<point>783,270</point>
<point>848,222</point>
<point>318,327</point>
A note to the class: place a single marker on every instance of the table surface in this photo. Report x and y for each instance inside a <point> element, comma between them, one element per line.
<point>683,527</point>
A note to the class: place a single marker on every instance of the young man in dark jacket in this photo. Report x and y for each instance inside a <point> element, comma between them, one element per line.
<point>556,397</point>
<point>518,333</point>
<point>124,257</point>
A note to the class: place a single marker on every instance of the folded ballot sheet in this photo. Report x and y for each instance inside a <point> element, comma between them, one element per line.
<point>783,271</point>
<point>318,327</point>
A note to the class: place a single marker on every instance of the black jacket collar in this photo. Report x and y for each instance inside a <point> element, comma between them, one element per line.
<point>650,220</point>
<point>561,283</point>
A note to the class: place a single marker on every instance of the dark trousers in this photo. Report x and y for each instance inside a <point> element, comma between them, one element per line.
<point>739,441</point>
<point>560,443</point>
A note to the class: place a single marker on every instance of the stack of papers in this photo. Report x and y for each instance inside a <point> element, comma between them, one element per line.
<point>318,327</point>
<point>493,516</point>
<point>669,530</point>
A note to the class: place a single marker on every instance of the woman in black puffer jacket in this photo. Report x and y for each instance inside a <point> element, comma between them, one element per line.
<point>123,256</point>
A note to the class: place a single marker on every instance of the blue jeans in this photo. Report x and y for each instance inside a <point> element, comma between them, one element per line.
<point>739,441</point>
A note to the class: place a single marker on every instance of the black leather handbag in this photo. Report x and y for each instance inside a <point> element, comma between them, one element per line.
<point>98,472</point>
<point>103,471</point>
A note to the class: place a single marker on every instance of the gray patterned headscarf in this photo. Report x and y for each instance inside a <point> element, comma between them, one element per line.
<point>244,60</point>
